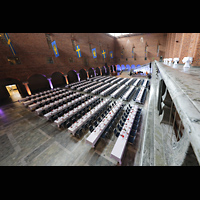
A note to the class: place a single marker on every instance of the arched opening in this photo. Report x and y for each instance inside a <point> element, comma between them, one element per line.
<point>138,65</point>
<point>98,73</point>
<point>123,67</point>
<point>132,66</point>
<point>72,76</point>
<point>91,72</point>
<point>11,89</point>
<point>118,68</point>
<point>128,67</point>
<point>38,83</point>
<point>58,79</point>
<point>83,74</point>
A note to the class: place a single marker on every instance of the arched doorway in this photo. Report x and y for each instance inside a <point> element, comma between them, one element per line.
<point>72,76</point>
<point>138,65</point>
<point>91,72</point>
<point>38,83</point>
<point>11,89</point>
<point>118,68</point>
<point>132,66</point>
<point>123,67</point>
<point>98,73</point>
<point>58,79</point>
<point>128,67</point>
<point>83,74</point>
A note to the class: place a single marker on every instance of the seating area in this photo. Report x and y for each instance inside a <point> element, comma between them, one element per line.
<point>127,128</point>
<point>103,126</point>
<point>88,106</point>
<point>141,93</point>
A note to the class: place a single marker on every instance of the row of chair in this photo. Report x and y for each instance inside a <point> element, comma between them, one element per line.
<point>112,124</point>
<point>93,87</point>
<point>35,94</point>
<point>94,120</point>
<point>144,96</point>
<point>122,120</point>
<point>59,104</point>
<point>111,90</point>
<point>131,94</point>
<point>136,93</point>
<point>63,111</point>
<point>135,125</point>
<point>78,115</point>
<point>73,84</point>
<point>74,87</point>
<point>101,88</point>
<point>81,88</point>
<point>101,116</point>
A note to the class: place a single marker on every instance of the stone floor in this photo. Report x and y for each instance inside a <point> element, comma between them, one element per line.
<point>29,140</point>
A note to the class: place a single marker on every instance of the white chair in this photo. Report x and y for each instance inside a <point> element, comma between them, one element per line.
<point>187,61</point>
<point>165,60</point>
<point>170,61</point>
<point>175,60</point>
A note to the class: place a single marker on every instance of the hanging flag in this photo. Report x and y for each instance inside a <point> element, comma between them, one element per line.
<point>78,51</point>
<point>158,50</point>
<point>104,54</point>
<point>10,44</point>
<point>94,53</point>
<point>111,54</point>
<point>55,49</point>
<point>145,51</point>
<point>132,52</point>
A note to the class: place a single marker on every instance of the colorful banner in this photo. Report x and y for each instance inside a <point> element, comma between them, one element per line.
<point>158,50</point>
<point>94,53</point>
<point>10,44</point>
<point>132,52</point>
<point>104,54</point>
<point>55,49</point>
<point>145,56</point>
<point>111,54</point>
<point>78,51</point>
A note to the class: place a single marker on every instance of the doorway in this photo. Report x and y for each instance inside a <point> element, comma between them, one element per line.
<point>13,91</point>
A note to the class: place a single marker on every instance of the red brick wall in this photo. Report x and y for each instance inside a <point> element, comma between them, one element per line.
<point>187,46</point>
<point>32,50</point>
<point>128,42</point>
<point>177,45</point>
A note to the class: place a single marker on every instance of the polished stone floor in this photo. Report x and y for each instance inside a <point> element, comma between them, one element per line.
<point>29,140</point>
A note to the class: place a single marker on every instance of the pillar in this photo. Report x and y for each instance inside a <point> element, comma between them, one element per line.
<point>87,75</point>
<point>113,68</point>
<point>66,79</point>
<point>78,74</point>
<point>100,71</point>
<point>27,87</point>
<point>95,73</point>
<point>50,83</point>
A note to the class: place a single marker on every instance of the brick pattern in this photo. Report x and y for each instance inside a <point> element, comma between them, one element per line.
<point>187,46</point>
<point>33,50</point>
<point>127,43</point>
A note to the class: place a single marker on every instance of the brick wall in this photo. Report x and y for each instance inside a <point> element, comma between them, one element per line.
<point>183,45</point>
<point>127,43</point>
<point>33,50</point>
